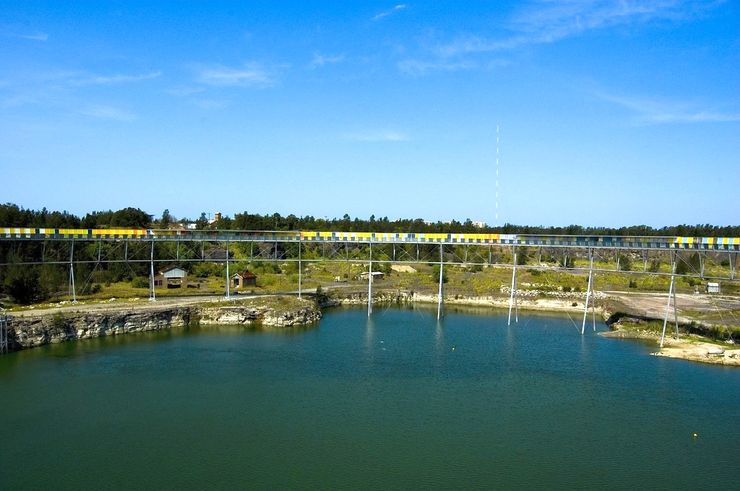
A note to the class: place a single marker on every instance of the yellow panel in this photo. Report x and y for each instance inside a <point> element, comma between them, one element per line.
<point>690,240</point>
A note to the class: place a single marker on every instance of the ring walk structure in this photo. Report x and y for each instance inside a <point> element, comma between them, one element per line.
<point>449,242</point>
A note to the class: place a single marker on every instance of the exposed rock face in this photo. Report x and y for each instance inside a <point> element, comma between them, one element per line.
<point>28,332</point>
<point>263,315</point>
<point>562,302</point>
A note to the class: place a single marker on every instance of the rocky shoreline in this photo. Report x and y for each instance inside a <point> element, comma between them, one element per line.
<point>564,303</point>
<point>687,347</point>
<point>37,328</point>
<point>32,329</point>
<point>29,331</point>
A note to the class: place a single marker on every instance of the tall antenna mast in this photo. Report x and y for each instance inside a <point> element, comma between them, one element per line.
<point>497,139</point>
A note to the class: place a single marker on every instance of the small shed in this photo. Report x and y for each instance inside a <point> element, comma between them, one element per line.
<point>171,278</point>
<point>377,275</point>
<point>242,279</point>
<point>712,287</point>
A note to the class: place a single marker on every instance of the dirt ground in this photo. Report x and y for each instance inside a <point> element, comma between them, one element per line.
<point>690,349</point>
<point>704,307</point>
<point>707,308</point>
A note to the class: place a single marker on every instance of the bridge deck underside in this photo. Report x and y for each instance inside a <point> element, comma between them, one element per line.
<point>719,244</point>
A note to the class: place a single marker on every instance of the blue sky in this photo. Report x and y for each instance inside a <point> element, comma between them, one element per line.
<point>610,112</point>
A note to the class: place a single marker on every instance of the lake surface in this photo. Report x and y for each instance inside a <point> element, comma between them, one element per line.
<point>396,402</point>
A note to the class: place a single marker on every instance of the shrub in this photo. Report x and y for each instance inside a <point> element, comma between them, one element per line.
<point>625,262</point>
<point>23,285</point>
<point>58,321</point>
<point>204,270</point>
<point>435,274</point>
<point>95,288</point>
<point>140,282</point>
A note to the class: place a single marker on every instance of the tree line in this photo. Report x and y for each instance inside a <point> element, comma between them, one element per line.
<point>14,216</point>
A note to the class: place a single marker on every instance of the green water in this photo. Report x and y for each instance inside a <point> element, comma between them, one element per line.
<point>396,402</point>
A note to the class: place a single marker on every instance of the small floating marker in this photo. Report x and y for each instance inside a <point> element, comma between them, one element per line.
<point>453,348</point>
<point>696,435</point>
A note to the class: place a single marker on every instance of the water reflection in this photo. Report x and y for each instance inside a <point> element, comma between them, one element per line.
<point>370,338</point>
<point>439,344</point>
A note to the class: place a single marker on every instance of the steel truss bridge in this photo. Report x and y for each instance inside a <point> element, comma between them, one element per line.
<point>181,246</point>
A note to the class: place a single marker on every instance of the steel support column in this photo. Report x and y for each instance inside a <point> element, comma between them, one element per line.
<point>370,282</point>
<point>299,269</point>
<point>152,294</point>
<point>441,276</point>
<point>588,291</point>
<point>671,292</point>
<point>732,268</point>
<point>513,291</point>
<point>228,280</point>
<point>72,290</point>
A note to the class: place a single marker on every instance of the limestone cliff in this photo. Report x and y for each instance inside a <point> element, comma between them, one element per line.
<point>36,330</point>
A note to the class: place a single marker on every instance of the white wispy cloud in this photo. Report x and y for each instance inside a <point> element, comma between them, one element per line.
<point>377,136</point>
<point>184,91</point>
<point>320,60</point>
<point>19,100</point>
<point>422,67</point>
<point>547,21</point>
<point>248,75</point>
<point>108,112</point>
<point>657,111</point>
<point>115,79</point>
<point>36,36</point>
<point>210,104</point>
<point>22,33</point>
<point>386,13</point>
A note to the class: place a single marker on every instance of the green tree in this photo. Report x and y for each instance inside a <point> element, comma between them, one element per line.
<point>522,256</point>
<point>202,222</point>
<point>625,262</point>
<point>435,274</point>
<point>166,219</point>
<point>23,285</point>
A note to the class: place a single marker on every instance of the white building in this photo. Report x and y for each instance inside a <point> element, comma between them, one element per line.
<point>171,278</point>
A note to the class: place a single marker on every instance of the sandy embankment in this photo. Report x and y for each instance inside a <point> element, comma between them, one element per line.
<point>689,347</point>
